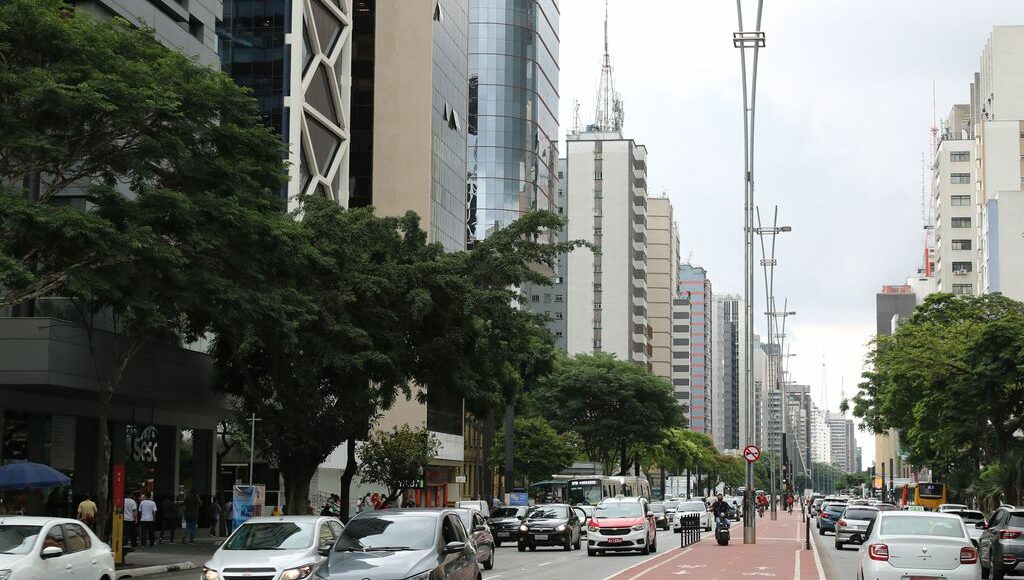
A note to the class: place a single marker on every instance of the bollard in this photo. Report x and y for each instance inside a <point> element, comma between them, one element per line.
<point>807,533</point>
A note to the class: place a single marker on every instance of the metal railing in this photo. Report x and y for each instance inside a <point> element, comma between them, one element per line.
<point>689,530</point>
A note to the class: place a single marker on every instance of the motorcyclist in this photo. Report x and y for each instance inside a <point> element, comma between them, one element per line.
<point>720,510</point>
<point>762,504</point>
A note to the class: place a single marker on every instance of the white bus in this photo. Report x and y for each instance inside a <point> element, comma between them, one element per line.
<point>633,486</point>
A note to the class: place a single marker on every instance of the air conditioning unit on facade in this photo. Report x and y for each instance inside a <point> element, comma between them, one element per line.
<point>960,272</point>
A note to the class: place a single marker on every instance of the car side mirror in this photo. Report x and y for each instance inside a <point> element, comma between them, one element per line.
<point>51,552</point>
<point>480,528</point>
<point>454,547</point>
<point>325,549</point>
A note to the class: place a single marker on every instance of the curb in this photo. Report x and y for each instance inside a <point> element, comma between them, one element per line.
<point>826,558</point>
<point>150,570</point>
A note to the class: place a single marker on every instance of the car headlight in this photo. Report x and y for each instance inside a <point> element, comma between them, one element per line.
<point>560,528</point>
<point>523,528</point>
<point>420,576</point>
<point>208,574</point>
<point>5,574</point>
<point>297,573</point>
<point>639,527</point>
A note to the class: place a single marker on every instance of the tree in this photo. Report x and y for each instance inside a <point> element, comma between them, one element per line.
<point>540,450</point>
<point>949,380</point>
<point>613,405</point>
<point>177,173</point>
<point>396,459</point>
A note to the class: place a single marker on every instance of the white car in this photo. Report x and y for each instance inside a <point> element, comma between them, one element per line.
<point>904,545</point>
<point>51,549</point>
<point>688,508</point>
<point>951,507</point>
<point>288,547</point>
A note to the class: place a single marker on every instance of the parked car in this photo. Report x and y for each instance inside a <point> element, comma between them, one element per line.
<point>51,548</point>
<point>414,544</point>
<point>903,545</point>
<point>480,534</point>
<point>476,504</point>
<point>971,519</point>
<point>885,507</point>
<point>588,512</point>
<point>1002,542</point>
<point>660,515</point>
<point>828,517</point>
<point>622,524</point>
<point>295,545</point>
<point>553,524</point>
<point>853,524</point>
<point>689,508</point>
<point>951,507</point>
<point>505,522</point>
<point>671,508</point>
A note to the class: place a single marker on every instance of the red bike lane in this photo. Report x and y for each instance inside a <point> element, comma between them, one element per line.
<point>778,553</point>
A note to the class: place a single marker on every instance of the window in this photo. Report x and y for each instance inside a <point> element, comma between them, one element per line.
<point>597,325</point>
<point>597,175</point>
<point>680,341</point>
<point>76,538</point>
<point>597,287</point>
<point>558,279</point>
<point>963,289</point>
<point>547,299</point>
<point>597,344</point>
<point>959,155</point>
<point>960,178</point>
<point>597,268</point>
<point>597,306</point>
<point>961,244</point>
<point>678,315</point>
<point>680,328</point>
<point>559,316</point>
<point>961,222</point>
<point>326,536</point>
<point>680,368</point>
<point>535,298</point>
<point>561,192</point>
<point>960,200</point>
<point>559,298</point>
<point>962,267</point>
<point>561,175</point>
<point>561,209</point>
<point>598,231</point>
<point>558,334</point>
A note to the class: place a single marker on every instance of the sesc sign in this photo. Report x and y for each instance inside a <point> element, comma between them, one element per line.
<point>142,444</point>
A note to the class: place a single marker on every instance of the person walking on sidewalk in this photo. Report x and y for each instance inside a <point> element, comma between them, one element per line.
<point>147,515</point>
<point>214,517</point>
<point>192,505</point>
<point>131,519</point>
<point>171,520</point>
<point>87,512</point>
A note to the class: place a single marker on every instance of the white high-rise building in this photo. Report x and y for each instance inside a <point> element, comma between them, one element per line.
<point>821,437</point>
<point>954,205</point>
<point>997,108</point>
<point>843,441</point>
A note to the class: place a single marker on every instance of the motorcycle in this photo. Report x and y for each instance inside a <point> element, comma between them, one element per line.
<point>760,510</point>
<point>722,532</point>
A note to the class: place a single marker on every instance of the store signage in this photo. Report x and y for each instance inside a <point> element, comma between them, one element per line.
<point>142,445</point>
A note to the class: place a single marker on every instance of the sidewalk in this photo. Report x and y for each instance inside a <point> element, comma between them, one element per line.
<point>144,561</point>
<point>778,553</point>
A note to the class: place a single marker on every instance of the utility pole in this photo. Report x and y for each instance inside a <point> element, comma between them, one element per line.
<point>744,40</point>
<point>252,445</point>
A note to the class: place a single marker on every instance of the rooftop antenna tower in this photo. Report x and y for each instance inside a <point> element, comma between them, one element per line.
<point>926,206</point>
<point>609,103</point>
<point>577,125</point>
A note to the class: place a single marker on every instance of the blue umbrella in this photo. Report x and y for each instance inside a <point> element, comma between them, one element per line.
<point>28,475</point>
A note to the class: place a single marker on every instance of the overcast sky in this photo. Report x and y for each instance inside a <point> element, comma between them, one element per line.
<point>844,110</point>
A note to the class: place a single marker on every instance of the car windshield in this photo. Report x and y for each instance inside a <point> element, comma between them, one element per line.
<point>390,531</point>
<point>885,507</point>
<point>658,508</point>
<point>836,508</point>
<point>509,512</point>
<point>618,509</point>
<point>546,513</point>
<point>671,505</point>
<point>18,539</point>
<point>693,506</point>
<point>921,526</point>
<point>1016,520</point>
<point>969,515</point>
<point>853,514</point>
<point>271,536</point>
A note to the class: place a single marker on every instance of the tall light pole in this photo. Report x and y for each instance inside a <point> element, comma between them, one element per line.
<point>744,40</point>
<point>780,383</point>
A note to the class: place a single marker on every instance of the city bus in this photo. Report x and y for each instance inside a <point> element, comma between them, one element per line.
<point>550,491</point>
<point>632,486</point>
<point>928,494</point>
<point>591,490</point>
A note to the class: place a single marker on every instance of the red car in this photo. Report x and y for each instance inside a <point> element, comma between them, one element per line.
<point>622,524</point>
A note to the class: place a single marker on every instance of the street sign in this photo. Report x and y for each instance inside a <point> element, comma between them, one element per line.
<point>751,453</point>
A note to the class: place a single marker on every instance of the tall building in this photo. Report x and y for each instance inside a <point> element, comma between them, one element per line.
<point>858,461</point>
<point>662,276</point>
<point>728,398</point>
<point>843,441</point>
<point>691,345</point>
<point>821,437</point>
<point>997,109</point>
<point>954,207</point>
<point>513,125</point>
<point>297,59</point>
<point>896,303</point>
<point>189,27</point>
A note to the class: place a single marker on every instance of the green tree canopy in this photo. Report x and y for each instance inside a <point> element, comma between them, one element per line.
<point>541,451</point>
<point>397,459</point>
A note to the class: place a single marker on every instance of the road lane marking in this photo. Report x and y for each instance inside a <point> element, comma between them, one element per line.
<point>817,560</point>
<point>544,564</point>
<point>659,564</point>
<point>624,570</point>
<point>796,571</point>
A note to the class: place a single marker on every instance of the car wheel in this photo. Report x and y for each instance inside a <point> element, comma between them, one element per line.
<point>578,544</point>
<point>821,532</point>
<point>533,548</point>
<point>646,549</point>
<point>489,564</point>
<point>654,545</point>
<point>839,545</point>
<point>568,543</point>
<point>591,552</point>
<point>522,548</point>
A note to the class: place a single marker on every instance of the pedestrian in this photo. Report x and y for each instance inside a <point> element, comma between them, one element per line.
<point>377,501</point>
<point>359,505</point>
<point>495,504</point>
<point>87,512</point>
<point>214,517</point>
<point>192,505</point>
<point>368,503</point>
<point>131,519</point>
<point>171,520</point>
<point>147,516</point>
<point>229,516</point>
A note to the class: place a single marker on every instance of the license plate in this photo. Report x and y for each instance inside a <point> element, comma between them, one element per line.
<point>540,537</point>
<point>924,578</point>
<point>503,534</point>
<point>614,540</point>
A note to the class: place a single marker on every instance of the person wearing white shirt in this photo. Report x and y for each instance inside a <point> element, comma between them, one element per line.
<point>147,515</point>
<point>131,516</point>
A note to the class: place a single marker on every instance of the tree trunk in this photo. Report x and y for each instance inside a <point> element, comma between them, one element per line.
<point>296,490</point>
<point>510,417</point>
<point>103,507</point>
<point>487,481</point>
<point>346,477</point>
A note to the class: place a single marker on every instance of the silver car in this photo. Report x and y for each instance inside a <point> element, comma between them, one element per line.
<point>903,545</point>
<point>286,546</point>
<point>853,524</point>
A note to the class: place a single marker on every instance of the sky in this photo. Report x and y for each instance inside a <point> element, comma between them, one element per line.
<point>844,109</point>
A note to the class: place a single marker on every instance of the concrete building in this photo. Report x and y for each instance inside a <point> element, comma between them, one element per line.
<point>606,193</point>
<point>728,398</point>
<point>662,279</point>
<point>858,461</point>
<point>692,346</point>
<point>954,206</point>
<point>997,107</point>
<point>297,59</point>
<point>821,437</point>
<point>843,441</point>
<point>513,140</point>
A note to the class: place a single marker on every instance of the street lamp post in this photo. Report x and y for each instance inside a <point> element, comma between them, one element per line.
<point>252,445</point>
<point>745,40</point>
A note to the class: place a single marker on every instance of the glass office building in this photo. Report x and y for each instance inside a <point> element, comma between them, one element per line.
<point>513,112</point>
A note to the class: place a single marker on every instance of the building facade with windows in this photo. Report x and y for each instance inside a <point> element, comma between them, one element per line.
<point>728,398</point>
<point>954,206</point>
<point>843,441</point>
<point>662,278</point>
<point>692,346</point>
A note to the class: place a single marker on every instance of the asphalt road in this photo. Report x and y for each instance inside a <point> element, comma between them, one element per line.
<point>543,564</point>
<point>844,562</point>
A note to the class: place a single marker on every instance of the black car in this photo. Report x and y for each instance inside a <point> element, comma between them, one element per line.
<point>551,525</point>
<point>415,544</point>
<point>660,516</point>
<point>505,522</point>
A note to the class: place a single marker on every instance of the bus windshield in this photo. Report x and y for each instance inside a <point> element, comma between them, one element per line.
<point>930,490</point>
<point>585,491</point>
